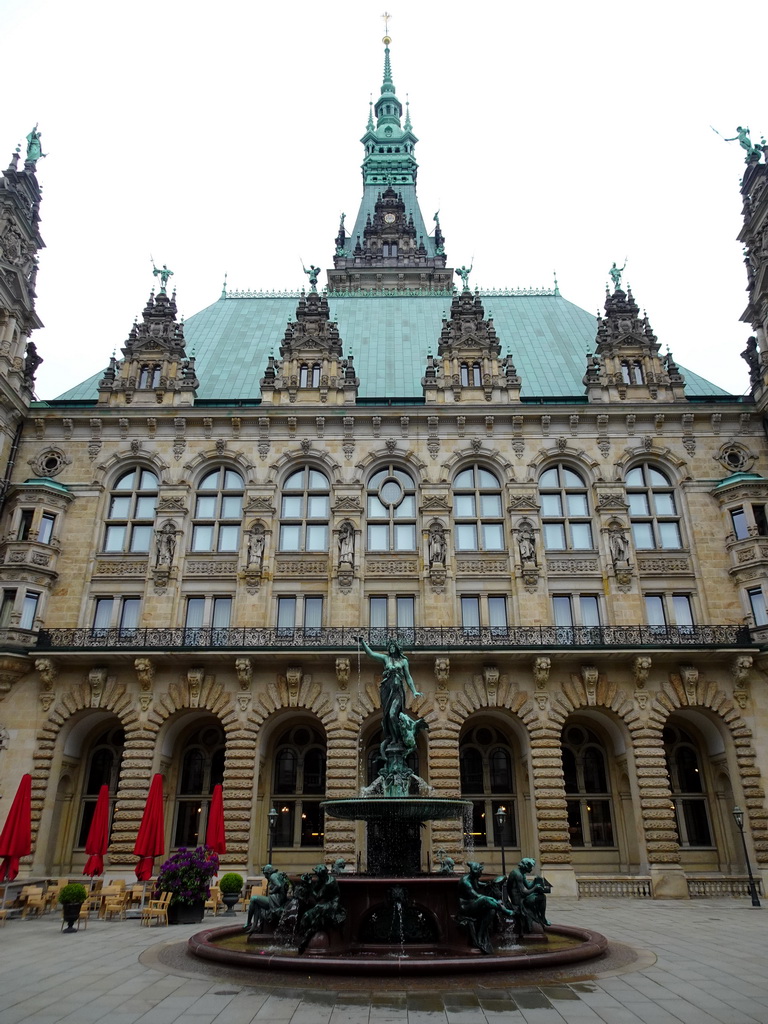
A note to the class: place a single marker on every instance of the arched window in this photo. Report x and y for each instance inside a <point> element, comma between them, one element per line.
<point>201,768</point>
<point>131,512</point>
<point>298,787</point>
<point>565,510</point>
<point>477,511</point>
<point>304,511</point>
<point>688,785</point>
<point>587,788</point>
<point>391,508</point>
<point>486,762</point>
<point>652,509</point>
<point>218,511</point>
<point>102,769</point>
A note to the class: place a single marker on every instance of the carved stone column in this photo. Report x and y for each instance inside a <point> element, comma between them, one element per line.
<point>132,789</point>
<point>445,778</point>
<point>549,804</point>
<point>341,780</point>
<point>241,739</point>
<point>659,825</point>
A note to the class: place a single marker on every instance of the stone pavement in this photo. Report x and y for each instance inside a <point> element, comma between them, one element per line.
<point>697,961</point>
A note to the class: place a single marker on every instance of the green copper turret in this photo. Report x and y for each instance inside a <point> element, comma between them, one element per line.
<point>388,145</point>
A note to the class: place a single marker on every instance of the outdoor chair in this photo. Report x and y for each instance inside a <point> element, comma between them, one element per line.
<point>34,900</point>
<point>116,905</point>
<point>156,909</point>
<point>214,901</point>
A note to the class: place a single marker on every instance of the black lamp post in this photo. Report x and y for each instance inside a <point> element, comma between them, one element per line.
<point>738,816</point>
<point>501,817</point>
<point>272,816</point>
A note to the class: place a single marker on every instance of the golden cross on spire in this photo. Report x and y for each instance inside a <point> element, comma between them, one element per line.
<point>386,16</point>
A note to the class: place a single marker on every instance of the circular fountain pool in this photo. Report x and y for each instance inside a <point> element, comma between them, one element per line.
<point>372,940</point>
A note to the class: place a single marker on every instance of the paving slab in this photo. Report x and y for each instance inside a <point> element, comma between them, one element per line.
<point>669,962</point>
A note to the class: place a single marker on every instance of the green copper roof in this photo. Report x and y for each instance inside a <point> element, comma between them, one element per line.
<point>389,338</point>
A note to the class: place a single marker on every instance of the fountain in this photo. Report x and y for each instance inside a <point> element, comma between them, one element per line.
<point>392,919</point>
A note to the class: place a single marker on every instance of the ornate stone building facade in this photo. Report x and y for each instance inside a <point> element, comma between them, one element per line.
<point>572,553</point>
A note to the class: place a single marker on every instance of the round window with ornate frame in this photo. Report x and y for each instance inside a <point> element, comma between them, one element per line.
<point>736,458</point>
<point>50,462</point>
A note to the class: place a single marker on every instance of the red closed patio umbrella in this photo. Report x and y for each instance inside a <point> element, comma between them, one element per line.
<point>16,837</point>
<point>150,841</point>
<point>214,833</point>
<point>98,835</point>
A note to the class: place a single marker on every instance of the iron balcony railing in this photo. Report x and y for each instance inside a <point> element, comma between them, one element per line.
<point>414,638</point>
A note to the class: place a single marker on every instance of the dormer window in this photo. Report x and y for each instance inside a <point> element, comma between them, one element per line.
<point>309,377</point>
<point>470,374</point>
<point>631,372</point>
<point>149,376</point>
<point>389,250</point>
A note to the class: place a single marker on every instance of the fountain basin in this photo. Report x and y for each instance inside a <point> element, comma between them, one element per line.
<point>394,808</point>
<point>430,940</point>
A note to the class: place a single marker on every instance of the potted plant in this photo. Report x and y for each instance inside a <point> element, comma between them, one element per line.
<point>187,876</point>
<point>71,898</point>
<point>231,886</point>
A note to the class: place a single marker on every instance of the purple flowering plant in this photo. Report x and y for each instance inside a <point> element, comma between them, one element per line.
<point>187,874</point>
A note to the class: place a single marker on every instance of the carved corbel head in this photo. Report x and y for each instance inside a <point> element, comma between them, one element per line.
<point>342,672</point>
<point>145,673</point>
<point>541,667</point>
<point>244,670</point>
<point>641,666</point>
<point>47,671</point>
<point>442,671</point>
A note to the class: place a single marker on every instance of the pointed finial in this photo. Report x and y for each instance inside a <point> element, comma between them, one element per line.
<point>557,288</point>
<point>370,126</point>
<point>407,112</point>
<point>224,288</point>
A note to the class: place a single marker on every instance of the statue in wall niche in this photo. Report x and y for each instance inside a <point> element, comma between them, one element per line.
<point>436,544</point>
<point>346,544</point>
<point>265,910</point>
<point>166,545</point>
<point>528,898</point>
<point>325,911</point>
<point>526,543</point>
<point>618,543</point>
<point>255,549</point>
<point>478,909</point>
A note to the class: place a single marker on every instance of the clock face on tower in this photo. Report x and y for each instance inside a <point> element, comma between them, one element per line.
<point>389,218</point>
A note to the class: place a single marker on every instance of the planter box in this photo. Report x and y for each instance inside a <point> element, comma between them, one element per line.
<point>186,913</point>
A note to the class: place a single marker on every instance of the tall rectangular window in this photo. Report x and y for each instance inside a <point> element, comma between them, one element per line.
<point>129,614</point>
<point>6,609</point>
<point>497,612</point>
<point>102,612</point>
<point>757,604</point>
<point>470,614</point>
<point>29,610</point>
<point>589,610</point>
<point>739,522</point>
<point>377,609</point>
<point>25,523</point>
<point>195,612</point>
<point>654,611</point>
<point>561,606</point>
<point>405,612</point>
<point>222,612</point>
<point>46,528</point>
<point>313,614</point>
<point>286,613</point>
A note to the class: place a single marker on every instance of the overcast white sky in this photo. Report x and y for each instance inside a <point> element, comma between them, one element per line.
<point>225,137</point>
